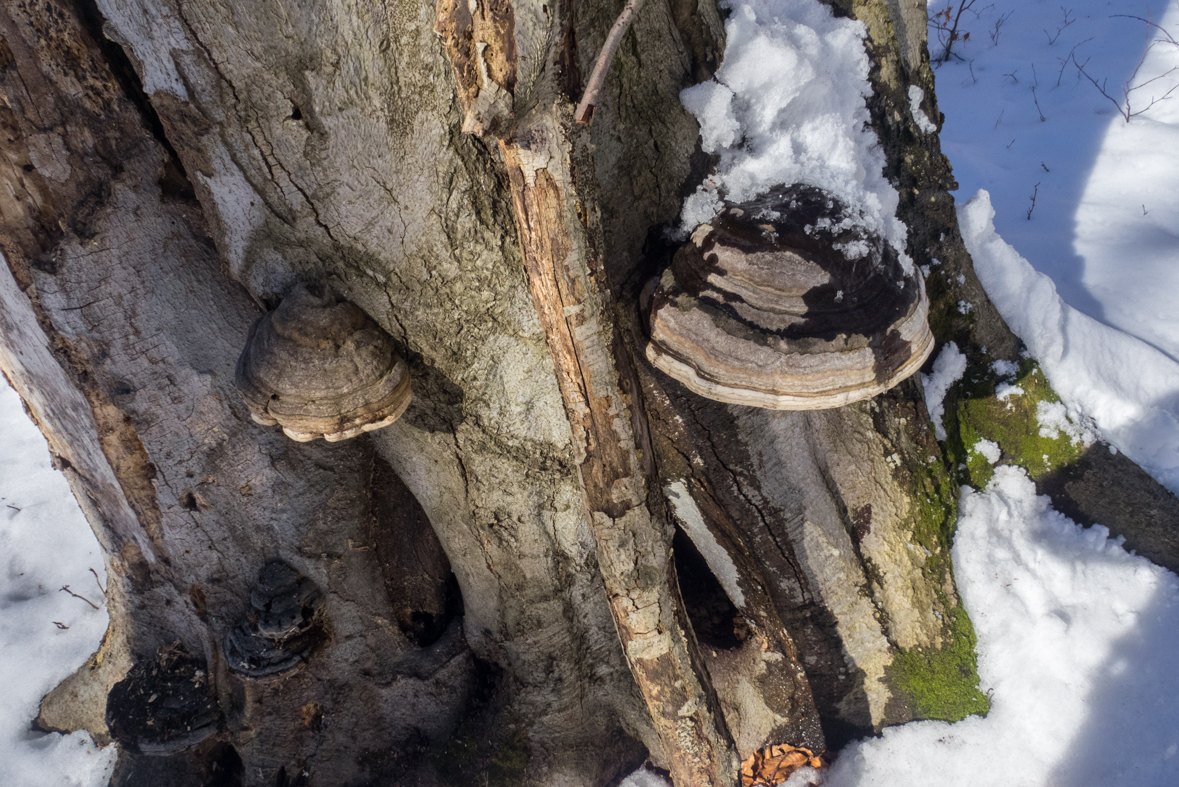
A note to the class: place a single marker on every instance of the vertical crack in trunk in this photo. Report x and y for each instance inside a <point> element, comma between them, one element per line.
<point>556,212</point>
<point>633,545</point>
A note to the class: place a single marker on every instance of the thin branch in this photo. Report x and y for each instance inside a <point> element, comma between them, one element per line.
<point>1059,30</point>
<point>948,31</point>
<point>585,109</point>
<point>999,26</point>
<point>66,588</point>
<point>98,582</point>
<point>1042,118</point>
<point>1170,39</point>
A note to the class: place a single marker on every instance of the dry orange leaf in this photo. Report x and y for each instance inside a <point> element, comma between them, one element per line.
<point>774,764</point>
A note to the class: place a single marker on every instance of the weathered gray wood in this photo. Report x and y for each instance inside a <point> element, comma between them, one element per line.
<point>639,571</point>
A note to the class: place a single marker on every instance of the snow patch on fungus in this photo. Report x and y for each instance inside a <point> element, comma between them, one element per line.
<point>787,106</point>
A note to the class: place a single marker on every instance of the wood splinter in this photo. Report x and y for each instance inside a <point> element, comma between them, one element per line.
<point>585,109</point>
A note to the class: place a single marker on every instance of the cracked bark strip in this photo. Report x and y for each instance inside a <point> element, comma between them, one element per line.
<point>633,545</point>
<point>561,258</point>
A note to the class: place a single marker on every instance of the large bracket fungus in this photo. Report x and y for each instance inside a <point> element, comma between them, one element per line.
<point>283,627</point>
<point>320,367</point>
<point>788,303</point>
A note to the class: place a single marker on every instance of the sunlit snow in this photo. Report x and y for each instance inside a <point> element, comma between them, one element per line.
<point>45,633</point>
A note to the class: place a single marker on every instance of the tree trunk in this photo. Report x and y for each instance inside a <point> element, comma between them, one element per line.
<point>558,562</point>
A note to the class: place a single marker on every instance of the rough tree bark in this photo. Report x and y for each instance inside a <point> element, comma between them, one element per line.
<point>559,562</point>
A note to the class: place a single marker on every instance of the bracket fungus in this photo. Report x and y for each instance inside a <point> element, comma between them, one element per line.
<point>164,705</point>
<point>320,367</point>
<point>283,626</point>
<point>786,302</point>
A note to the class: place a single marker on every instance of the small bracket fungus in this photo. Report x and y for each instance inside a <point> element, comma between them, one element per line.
<point>787,303</point>
<point>283,626</point>
<point>320,367</point>
<point>164,705</point>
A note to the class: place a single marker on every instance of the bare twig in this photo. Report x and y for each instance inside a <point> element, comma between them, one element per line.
<point>999,26</point>
<point>1045,166</point>
<point>946,22</point>
<point>1042,118</point>
<point>60,625</point>
<point>1059,30</point>
<point>1123,104</point>
<point>585,109</point>
<point>98,582</point>
<point>1000,119</point>
<point>66,588</point>
<point>1012,76</point>
<point>1035,191</point>
<point>1064,61</point>
<point>1170,39</point>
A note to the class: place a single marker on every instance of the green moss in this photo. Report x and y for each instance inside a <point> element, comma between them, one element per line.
<point>939,683</point>
<point>934,516</point>
<point>509,763</point>
<point>464,761</point>
<point>942,683</point>
<point>1014,426</point>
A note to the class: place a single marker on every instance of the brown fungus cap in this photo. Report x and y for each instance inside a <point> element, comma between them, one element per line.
<point>320,367</point>
<point>788,303</point>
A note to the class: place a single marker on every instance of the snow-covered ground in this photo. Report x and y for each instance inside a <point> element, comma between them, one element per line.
<point>1089,275</point>
<point>45,633</point>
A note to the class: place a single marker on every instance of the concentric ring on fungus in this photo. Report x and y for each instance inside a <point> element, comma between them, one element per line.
<point>786,302</point>
<point>318,366</point>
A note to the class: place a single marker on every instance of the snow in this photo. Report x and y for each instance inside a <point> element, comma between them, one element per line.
<point>1128,388</point>
<point>644,777</point>
<point>1103,227</point>
<point>988,449</point>
<point>1090,280</point>
<point>1055,419</point>
<point>1005,368</point>
<point>45,544</point>
<point>916,96</point>
<point>787,106</point>
<point>1004,391</point>
<point>948,369</point>
<point>1075,641</point>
